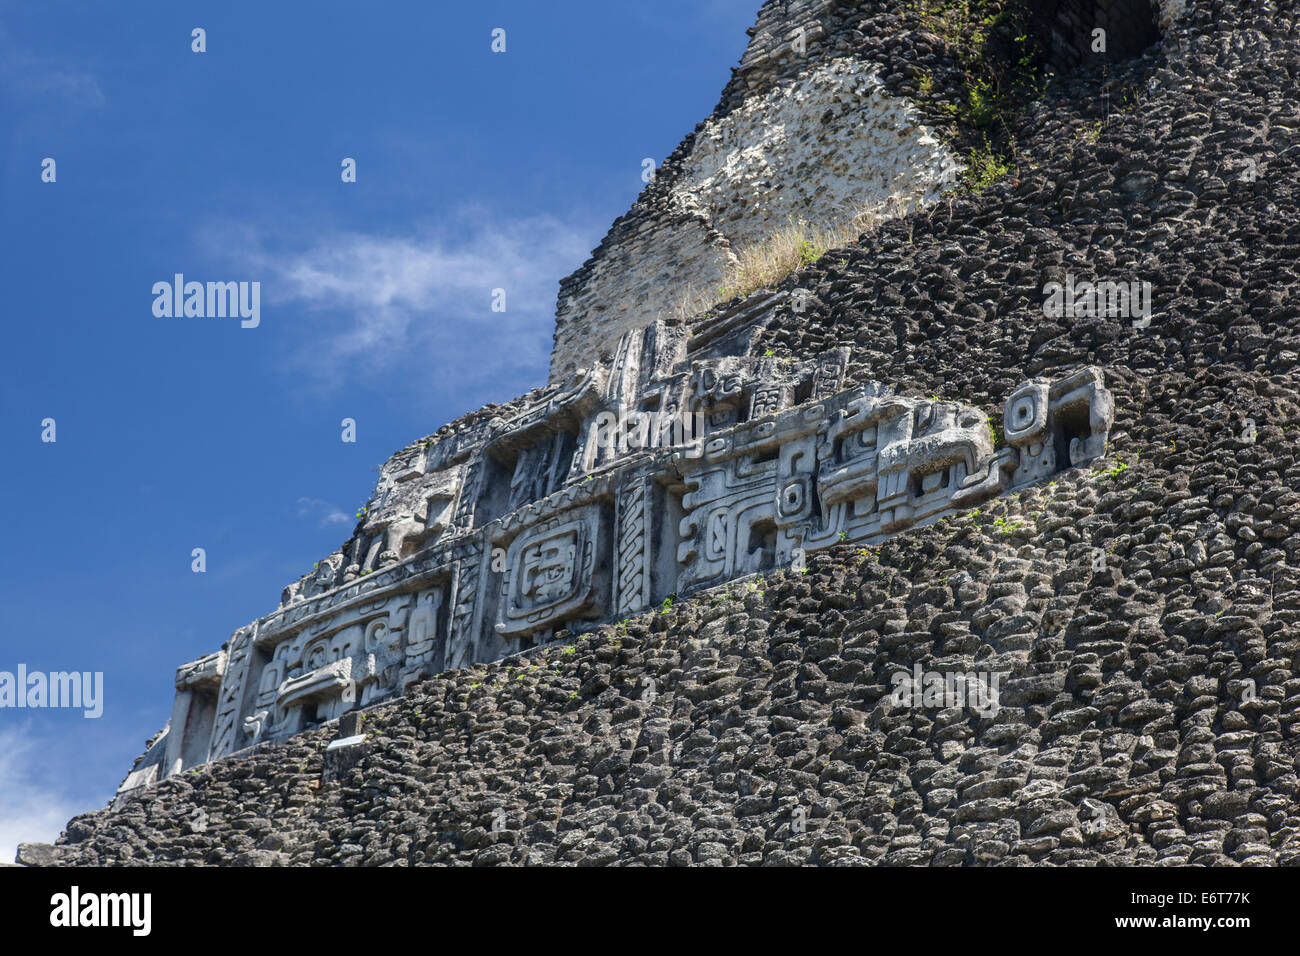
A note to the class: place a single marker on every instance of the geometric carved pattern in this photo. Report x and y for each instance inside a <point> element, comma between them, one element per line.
<point>633,545</point>
<point>230,698</point>
<point>549,572</point>
<point>460,640</point>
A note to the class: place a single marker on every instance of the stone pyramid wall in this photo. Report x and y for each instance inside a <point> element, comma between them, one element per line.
<point>1137,619</point>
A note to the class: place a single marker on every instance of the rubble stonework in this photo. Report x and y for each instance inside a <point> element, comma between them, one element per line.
<point>589,505</point>
<point>1066,28</point>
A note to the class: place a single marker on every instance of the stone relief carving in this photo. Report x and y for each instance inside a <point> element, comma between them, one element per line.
<point>674,468</point>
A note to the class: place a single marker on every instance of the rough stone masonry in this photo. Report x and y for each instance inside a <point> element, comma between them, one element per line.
<point>553,640</point>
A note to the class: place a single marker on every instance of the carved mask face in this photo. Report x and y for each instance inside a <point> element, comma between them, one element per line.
<point>548,570</point>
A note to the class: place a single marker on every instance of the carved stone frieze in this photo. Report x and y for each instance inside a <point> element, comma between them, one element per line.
<point>675,468</point>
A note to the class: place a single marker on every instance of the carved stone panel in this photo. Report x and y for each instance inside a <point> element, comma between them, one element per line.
<point>230,699</point>
<point>634,543</point>
<point>425,637</point>
<point>462,636</point>
<point>550,572</point>
<point>729,528</point>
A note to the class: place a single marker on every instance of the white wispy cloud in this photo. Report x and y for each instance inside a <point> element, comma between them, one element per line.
<point>31,811</point>
<point>26,76</point>
<point>325,512</point>
<point>417,306</point>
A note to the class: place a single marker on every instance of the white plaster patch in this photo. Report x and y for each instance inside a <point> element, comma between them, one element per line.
<point>822,147</point>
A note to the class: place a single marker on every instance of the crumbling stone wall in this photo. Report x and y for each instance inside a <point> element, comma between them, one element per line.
<point>804,132</point>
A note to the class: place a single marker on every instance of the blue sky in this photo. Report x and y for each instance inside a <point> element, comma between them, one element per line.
<point>475,170</point>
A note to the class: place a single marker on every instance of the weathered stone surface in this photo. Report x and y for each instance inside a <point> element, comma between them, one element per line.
<point>40,854</point>
<point>746,173</point>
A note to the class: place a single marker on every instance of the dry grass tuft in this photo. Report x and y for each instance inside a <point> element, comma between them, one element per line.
<point>794,246</point>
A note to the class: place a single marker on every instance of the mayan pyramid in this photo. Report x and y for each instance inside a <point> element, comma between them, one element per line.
<point>917,482</point>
